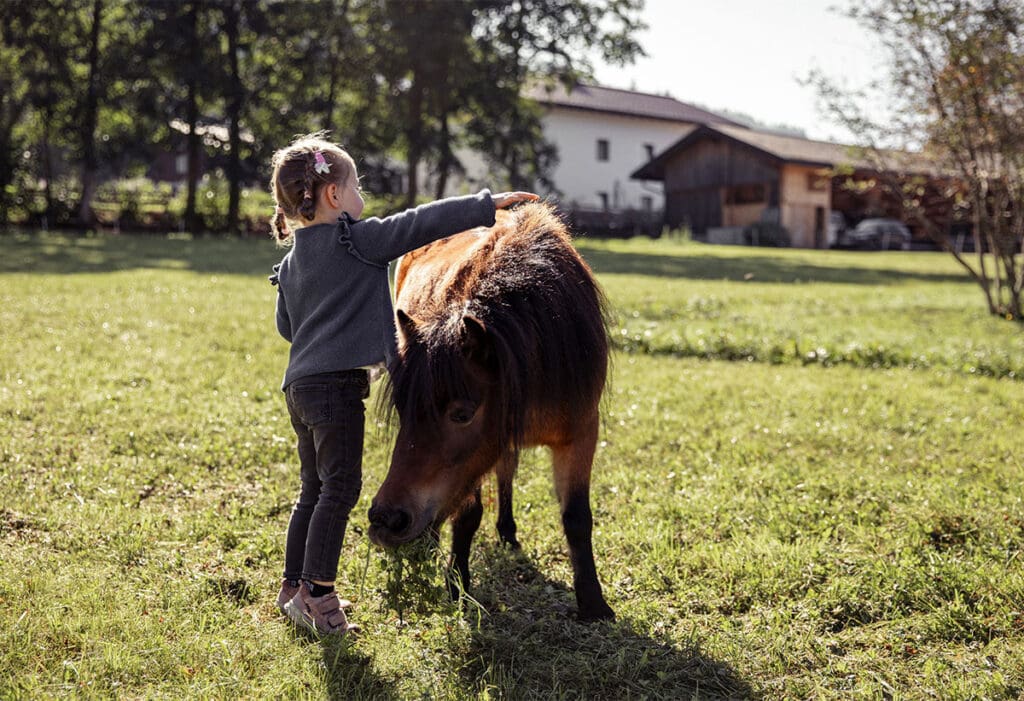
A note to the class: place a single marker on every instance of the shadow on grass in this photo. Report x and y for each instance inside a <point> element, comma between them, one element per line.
<point>351,675</point>
<point>755,268</point>
<point>529,645</point>
<point>348,672</point>
<point>59,253</point>
<point>62,253</point>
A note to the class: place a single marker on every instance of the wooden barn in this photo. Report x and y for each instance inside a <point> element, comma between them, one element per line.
<point>722,180</point>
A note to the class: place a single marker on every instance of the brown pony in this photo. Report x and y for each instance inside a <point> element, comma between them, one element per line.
<point>503,344</point>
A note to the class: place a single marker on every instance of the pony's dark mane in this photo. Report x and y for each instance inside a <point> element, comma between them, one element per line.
<point>544,314</point>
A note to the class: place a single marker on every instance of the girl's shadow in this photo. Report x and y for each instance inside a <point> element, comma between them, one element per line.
<point>529,645</point>
<point>351,674</point>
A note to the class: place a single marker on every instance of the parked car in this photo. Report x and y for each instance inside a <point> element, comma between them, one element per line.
<point>877,234</point>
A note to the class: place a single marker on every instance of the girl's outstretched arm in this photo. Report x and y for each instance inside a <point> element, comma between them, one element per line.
<point>384,240</point>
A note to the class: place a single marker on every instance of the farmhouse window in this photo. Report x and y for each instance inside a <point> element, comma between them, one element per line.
<point>745,194</point>
<point>602,149</point>
<point>647,202</point>
<point>817,182</point>
<point>604,200</point>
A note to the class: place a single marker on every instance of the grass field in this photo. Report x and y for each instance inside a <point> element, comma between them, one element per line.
<point>808,486</point>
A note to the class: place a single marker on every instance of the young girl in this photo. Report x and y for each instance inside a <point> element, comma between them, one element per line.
<point>334,306</point>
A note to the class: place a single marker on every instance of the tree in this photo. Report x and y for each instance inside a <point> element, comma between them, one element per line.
<point>66,105</point>
<point>455,73</point>
<point>191,65</point>
<point>102,96</point>
<point>304,70</point>
<point>13,104</point>
<point>89,116</point>
<point>244,26</point>
<point>235,94</point>
<point>181,52</point>
<point>38,110</point>
<point>956,83</point>
<point>540,40</point>
<point>419,51</point>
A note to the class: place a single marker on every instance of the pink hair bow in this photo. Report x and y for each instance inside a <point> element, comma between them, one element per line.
<point>322,166</point>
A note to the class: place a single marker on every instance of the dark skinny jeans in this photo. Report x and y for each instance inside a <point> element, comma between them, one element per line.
<point>328,416</point>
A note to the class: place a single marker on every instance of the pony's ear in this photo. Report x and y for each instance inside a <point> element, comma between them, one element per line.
<point>476,343</point>
<point>408,327</point>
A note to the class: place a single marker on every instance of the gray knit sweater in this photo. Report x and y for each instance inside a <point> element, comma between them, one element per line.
<point>333,300</point>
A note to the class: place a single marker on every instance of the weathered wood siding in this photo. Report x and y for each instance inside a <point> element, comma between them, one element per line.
<point>697,180</point>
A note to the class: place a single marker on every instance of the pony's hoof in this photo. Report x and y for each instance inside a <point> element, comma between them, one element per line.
<point>602,612</point>
<point>511,544</point>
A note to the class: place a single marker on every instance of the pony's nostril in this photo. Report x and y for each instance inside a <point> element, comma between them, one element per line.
<point>377,516</point>
<point>393,520</point>
<point>398,520</point>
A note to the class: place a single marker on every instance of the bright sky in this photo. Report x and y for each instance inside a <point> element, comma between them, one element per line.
<point>747,56</point>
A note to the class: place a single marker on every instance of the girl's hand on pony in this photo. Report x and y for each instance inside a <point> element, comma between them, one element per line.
<point>504,200</point>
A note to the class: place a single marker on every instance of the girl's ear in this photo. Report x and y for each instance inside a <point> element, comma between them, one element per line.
<point>330,195</point>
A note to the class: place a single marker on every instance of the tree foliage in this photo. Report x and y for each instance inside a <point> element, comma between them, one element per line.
<point>405,85</point>
<point>956,87</point>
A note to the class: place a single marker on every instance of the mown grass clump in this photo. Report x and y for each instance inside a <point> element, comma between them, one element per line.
<point>778,528</point>
<point>416,577</point>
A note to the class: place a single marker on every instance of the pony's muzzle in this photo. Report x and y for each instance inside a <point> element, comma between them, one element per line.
<point>389,525</point>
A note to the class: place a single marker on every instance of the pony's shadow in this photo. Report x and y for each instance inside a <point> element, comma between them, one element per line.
<point>529,645</point>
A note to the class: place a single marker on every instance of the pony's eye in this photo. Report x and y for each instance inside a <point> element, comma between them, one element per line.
<point>461,412</point>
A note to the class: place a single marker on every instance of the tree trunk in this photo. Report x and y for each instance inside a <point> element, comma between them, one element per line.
<point>447,159</point>
<point>5,177</point>
<point>414,135</point>
<point>339,36</point>
<point>978,223</point>
<point>234,105</point>
<point>8,159</point>
<point>332,84</point>
<point>89,160</point>
<point>192,117</point>
<point>47,159</point>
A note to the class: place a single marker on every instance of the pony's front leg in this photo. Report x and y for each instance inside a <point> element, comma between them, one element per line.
<point>505,471</point>
<point>572,466</point>
<point>464,526</point>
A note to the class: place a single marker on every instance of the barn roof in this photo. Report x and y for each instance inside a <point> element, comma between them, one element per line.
<point>596,98</point>
<point>783,148</point>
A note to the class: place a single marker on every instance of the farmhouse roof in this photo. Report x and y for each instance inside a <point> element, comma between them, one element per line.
<point>788,149</point>
<point>596,98</point>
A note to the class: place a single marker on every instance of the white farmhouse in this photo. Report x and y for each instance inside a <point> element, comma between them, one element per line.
<point>603,135</point>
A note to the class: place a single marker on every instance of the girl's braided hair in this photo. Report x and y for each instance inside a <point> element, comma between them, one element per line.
<point>296,183</point>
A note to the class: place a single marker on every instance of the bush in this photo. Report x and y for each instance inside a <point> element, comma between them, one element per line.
<point>255,208</point>
<point>141,204</point>
<point>27,200</point>
<point>133,203</point>
<point>211,203</point>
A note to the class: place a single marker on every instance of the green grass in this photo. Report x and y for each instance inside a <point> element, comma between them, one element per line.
<point>808,485</point>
